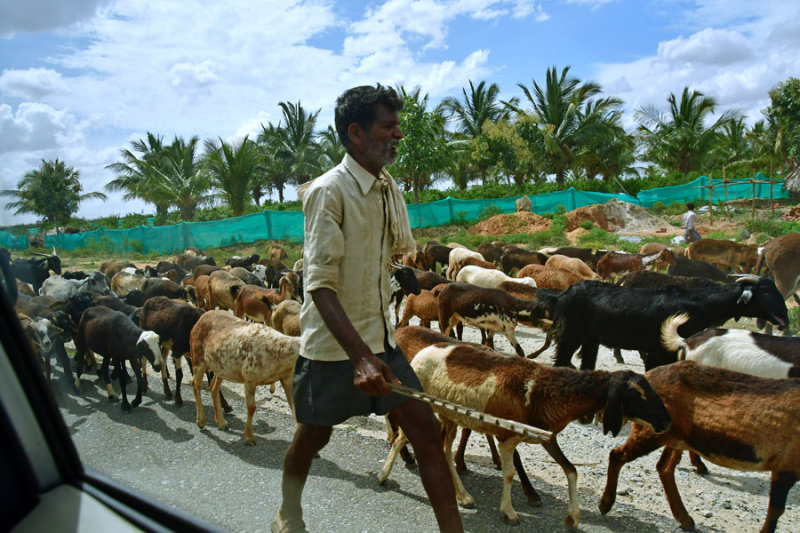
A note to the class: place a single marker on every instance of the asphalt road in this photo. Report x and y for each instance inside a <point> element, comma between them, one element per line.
<point>213,475</point>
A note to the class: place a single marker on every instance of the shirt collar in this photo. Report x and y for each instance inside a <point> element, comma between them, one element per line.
<point>364,179</point>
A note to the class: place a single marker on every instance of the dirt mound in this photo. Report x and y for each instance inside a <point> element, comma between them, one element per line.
<point>521,222</point>
<point>616,215</point>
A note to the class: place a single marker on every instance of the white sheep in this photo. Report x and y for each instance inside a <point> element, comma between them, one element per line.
<point>489,279</point>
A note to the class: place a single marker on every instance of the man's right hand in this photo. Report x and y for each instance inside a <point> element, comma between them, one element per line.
<point>371,375</point>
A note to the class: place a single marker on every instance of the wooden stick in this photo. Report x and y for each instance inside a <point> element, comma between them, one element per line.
<point>531,432</point>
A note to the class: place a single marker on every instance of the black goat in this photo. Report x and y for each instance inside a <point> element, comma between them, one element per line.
<point>404,282</point>
<point>35,270</point>
<point>591,313</point>
<point>244,262</point>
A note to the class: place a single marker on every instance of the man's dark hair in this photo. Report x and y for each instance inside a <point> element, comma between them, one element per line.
<point>690,206</point>
<point>360,105</point>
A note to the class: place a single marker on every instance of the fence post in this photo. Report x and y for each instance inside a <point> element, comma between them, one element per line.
<point>450,207</point>
<point>268,220</point>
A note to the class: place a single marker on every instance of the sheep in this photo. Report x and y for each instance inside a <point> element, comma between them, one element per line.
<point>488,309</point>
<point>471,261</point>
<point>276,253</point>
<point>696,269</point>
<point>436,253</point>
<point>223,289</point>
<point>522,390</point>
<point>550,278</point>
<point>35,270</point>
<point>113,335</point>
<point>286,318</point>
<point>43,336</point>
<point>172,320</point>
<point>654,247</point>
<point>591,313</point>
<point>725,255</point>
<point>201,292</point>
<point>124,282</point>
<point>424,306</point>
<point>58,287</point>
<point>403,283</point>
<point>619,262</point>
<point>490,252</point>
<point>734,420</point>
<point>483,277</point>
<point>206,269</point>
<point>546,301</point>
<point>739,350</point>
<point>514,258</point>
<point>153,287</point>
<point>247,276</point>
<point>458,255</point>
<point>572,264</point>
<point>243,262</point>
<point>589,257</point>
<point>241,352</point>
<point>781,256</point>
<point>255,303</point>
<point>112,266</point>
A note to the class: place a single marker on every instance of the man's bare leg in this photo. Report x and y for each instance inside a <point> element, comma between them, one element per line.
<point>308,440</point>
<point>425,434</point>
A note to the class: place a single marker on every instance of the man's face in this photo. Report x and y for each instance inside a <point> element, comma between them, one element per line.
<point>381,140</point>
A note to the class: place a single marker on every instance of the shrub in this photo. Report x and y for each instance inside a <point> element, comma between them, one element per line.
<point>586,224</point>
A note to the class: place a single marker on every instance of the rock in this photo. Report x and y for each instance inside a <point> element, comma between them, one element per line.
<point>524,204</point>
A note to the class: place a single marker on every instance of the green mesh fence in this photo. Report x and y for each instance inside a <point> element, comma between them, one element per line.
<point>288,225</point>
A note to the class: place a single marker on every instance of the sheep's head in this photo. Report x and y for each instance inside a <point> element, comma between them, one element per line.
<point>630,396</point>
<point>149,347</point>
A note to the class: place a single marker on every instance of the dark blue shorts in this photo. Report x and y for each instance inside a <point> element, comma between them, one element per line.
<point>324,393</point>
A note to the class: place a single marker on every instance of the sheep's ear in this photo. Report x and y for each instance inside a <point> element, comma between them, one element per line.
<point>612,417</point>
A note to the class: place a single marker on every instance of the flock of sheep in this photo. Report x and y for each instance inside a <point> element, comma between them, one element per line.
<point>730,396</point>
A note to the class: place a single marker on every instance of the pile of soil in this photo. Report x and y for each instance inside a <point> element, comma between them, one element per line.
<point>520,222</point>
<point>616,215</point>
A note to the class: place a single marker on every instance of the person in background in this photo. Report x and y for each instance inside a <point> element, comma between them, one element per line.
<point>355,220</point>
<point>689,222</point>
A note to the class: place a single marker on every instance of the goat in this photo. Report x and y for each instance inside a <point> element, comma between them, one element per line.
<point>246,276</point>
<point>545,300</point>
<point>488,278</point>
<point>734,420</point>
<point>491,309</point>
<point>618,262</point>
<point>77,275</point>
<point>525,391</point>
<point>276,253</point>
<point>490,252</point>
<point>470,261</point>
<point>591,313</point>
<point>124,282</point>
<point>112,266</point>
<point>424,306</point>
<point>739,350</point>
<point>436,253</point>
<point>35,270</point>
<point>654,247</point>
<point>648,278</point>
<point>206,269</point>
<point>241,352</point>
<point>725,255</point>
<point>572,264</point>
<point>201,292</point>
<point>43,336</point>
<point>114,336</point>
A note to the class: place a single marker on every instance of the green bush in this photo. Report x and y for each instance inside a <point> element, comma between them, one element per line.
<point>586,224</point>
<point>773,228</point>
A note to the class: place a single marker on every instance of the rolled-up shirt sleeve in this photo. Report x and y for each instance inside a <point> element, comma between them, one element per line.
<point>324,240</point>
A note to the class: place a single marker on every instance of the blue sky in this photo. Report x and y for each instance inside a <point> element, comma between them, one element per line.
<point>81,79</point>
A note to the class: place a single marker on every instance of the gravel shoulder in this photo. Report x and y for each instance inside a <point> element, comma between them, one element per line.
<point>158,450</point>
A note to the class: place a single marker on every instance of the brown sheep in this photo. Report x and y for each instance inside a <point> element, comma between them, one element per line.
<point>286,317</point>
<point>223,288</point>
<point>423,305</point>
<point>571,263</point>
<point>732,419</point>
<point>781,256</point>
<point>550,278</point>
<point>255,303</point>
<point>725,255</point>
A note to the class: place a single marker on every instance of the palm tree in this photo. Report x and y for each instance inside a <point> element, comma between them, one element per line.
<point>473,112</point>
<point>275,169</point>
<point>604,147</point>
<point>137,172</point>
<point>52,191</point>
<point>231,168</point>
<point>296,141</point>
<point>557,108</point>
<point>183,181</point>
<point>680,139</point>
<point>331,151</point>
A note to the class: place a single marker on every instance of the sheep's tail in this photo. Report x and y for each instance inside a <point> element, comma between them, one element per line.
<point>670,337</point>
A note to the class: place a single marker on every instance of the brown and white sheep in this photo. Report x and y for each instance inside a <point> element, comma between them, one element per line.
<point>734,420</point>
<point>240,352</point>
<point>572,264</point>
<point>519,389</point>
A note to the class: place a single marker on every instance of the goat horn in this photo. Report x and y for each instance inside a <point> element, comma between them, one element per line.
<point>54,250</point>
<point>742,278</point>
<point>40,253</point>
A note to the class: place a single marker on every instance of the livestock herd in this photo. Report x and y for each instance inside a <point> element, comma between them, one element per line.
<point>730,396</point>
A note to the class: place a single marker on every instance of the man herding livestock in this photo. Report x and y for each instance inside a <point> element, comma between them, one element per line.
<point>355,219</point>
<point>689,222</point>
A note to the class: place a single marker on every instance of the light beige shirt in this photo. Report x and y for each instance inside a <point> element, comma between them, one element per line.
<point>347,249</point>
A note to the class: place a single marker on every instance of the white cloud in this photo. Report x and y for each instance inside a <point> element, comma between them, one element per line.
<point>709,47</point>
<point>36,126</point>
<point>41,15</point>
<point>192,75</point>
<point>30,84</point>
